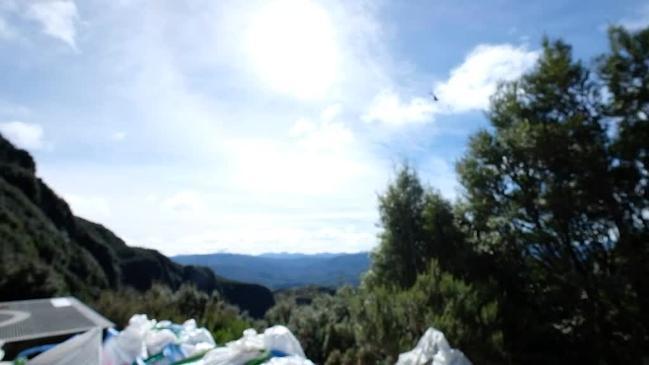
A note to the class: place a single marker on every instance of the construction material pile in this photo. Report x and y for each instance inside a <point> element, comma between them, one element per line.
<point>149,342</point>
<point>146,341</point>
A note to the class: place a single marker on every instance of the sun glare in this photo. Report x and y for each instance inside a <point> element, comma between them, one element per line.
<point>292,48</point>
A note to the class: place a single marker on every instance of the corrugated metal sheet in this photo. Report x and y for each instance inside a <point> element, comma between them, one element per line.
<point>31,319</point>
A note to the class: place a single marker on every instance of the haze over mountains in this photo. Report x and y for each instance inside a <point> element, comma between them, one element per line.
<point>285,270</point>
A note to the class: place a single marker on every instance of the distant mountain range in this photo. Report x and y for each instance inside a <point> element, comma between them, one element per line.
<point>285,270</point>
<point>47,251</point>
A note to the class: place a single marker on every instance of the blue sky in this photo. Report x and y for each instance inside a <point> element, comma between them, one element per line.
<point>263,126</point>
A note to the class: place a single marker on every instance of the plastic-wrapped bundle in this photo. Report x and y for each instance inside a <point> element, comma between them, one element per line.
<point>276,346</point>
<point>83,349</point>
<point>433,349</point>
<point>128,345</point>
<point>146,341</point>
<point>155,343</point>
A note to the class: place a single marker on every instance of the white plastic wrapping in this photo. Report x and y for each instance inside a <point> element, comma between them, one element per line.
<point>143,338</point>
<point>251,345</point>
<point>83,349</point>
<point>156,340</point>
<point>289,360</point>
<point>238,352</point>
<point>280,338</point>
<point>127,346</point>
<point>433,349</point>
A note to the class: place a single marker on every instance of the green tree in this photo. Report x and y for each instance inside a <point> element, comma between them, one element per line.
<point>625,71</point>
<point>397,259</point>
<point>444,240</point>
<point>541,201</point>
<point>417,225</point>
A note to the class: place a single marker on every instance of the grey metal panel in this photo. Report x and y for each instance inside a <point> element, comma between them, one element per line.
<point>31,319</point>
<point>89,313</point>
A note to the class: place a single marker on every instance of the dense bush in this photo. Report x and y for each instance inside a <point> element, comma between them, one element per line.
<point>374,325</point>
<point>224,320</point>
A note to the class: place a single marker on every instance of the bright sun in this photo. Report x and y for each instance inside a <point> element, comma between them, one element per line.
<point>292,46</point>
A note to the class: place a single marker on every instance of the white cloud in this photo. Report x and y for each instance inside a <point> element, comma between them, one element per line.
<point>240,157</point>
<point>213,135</point>
<point>58,18</point>
<point>472,83</point>
<point>204,218</point>
<point>440,174</point>
<point>24,135</point>
<point>292,47</point>
<point>639,21</point>
<point>6,30</point>
<point>387,107</point>
<point>118,136</point>
<point>270,235</point>
<point>92,206</point>
<point>186,202</point>
<point>331,112</point>
<point>324,136</point>
<point>11,110</point>
<point>468,87</point>
<point>318,157</point>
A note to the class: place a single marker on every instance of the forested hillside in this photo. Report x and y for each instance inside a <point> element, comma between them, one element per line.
<point>45,250</point>
<point>285,271</point>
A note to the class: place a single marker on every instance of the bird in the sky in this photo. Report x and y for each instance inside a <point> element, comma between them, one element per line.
<point>434,96</point>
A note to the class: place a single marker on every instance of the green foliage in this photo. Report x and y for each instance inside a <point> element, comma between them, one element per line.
<point>418,225</point>
<point>547,195</point>
<point>35,259</point>
<point>391,321</point>
<point>373,325</point>
<point>397,259</point>
<point>625,73</point>
<point>222,319</point>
